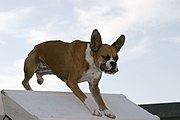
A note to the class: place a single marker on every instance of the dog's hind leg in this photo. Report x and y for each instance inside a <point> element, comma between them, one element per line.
<point>30,66</point>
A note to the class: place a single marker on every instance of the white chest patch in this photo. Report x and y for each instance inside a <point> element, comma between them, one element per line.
<point>93,73</point>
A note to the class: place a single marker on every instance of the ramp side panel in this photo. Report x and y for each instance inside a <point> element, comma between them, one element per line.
<point>14,110</point>
<point>2,114</point>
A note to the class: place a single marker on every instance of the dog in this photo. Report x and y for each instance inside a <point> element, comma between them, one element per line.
<point>73,63</point>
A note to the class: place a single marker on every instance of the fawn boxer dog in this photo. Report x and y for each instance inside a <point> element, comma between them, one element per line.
<point>73,63</point>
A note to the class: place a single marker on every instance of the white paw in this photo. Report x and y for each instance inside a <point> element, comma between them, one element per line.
<point>96,112</point>
<point>109,114</point>
<point>90,106</point>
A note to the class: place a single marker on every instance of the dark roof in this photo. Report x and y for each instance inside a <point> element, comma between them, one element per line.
<point>163,110</point>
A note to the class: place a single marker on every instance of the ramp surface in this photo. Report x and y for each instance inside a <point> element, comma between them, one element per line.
<point>39,105</point>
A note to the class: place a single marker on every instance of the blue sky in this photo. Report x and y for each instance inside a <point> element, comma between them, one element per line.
<point>149,61</point>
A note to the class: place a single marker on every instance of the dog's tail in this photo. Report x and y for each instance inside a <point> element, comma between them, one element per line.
<point>34,51</point>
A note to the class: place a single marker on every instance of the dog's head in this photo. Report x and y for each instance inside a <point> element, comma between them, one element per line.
<point>105,56</point>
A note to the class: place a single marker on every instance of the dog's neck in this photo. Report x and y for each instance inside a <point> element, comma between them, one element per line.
<point>93,74</point>
<point>89,57</point>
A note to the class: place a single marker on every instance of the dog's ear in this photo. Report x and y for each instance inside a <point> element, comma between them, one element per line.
<point>119,43</point>
<point>96,40</point>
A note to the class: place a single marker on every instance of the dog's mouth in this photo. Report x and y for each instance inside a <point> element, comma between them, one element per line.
<point>110,71</point>
<point>105,69</point>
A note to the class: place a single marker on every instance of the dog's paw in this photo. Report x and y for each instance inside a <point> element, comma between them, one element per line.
<point>26,85</point>
<point>90,106</point>
<point>96,112</point>
<point>109,113</point>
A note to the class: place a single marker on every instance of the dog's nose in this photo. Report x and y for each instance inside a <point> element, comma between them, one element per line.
<point>113,64</point>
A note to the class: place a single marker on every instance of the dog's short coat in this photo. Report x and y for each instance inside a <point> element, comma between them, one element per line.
<point>73,63</point>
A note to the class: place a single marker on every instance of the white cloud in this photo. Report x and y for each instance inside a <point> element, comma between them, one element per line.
<point>172,39</point>
<point>53,30</point>
<point>36,36</point>
<point>11,76</point>
<point>110,18</point>
<point>12,18</point>
<point>97,17</point>
<point>2,42</point>
<point>151,11</point>
<point>177,39</point>
<point>7,19</point>
<point>19,65</point>
<point>139,49</point>
<point>123,15</point>
<point>10,82</point>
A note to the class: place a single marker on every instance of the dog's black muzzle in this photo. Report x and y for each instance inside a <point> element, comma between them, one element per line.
<point>113,69</point>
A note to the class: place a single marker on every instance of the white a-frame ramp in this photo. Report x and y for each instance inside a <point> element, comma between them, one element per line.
<point>29,105</point>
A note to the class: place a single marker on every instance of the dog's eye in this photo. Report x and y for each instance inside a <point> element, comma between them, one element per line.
<point>116,58</point>
<point>106,58</point>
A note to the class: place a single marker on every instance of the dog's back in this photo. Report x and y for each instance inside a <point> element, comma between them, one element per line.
<point>51,58</point>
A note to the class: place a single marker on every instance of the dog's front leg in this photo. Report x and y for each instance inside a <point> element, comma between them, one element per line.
<point>77,91</point>
<point>97,97</point>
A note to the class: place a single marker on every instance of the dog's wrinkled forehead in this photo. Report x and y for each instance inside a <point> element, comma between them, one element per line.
<point>107,52</point>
